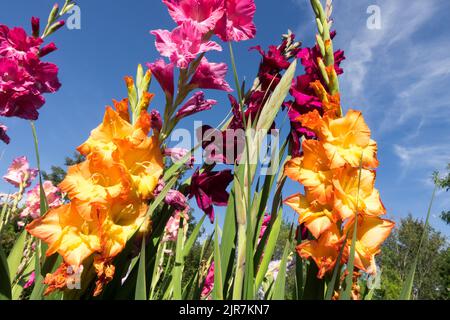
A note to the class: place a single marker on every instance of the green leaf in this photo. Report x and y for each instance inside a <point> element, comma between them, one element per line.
<point>218,279</point>
<point>16,255</point>
<point>333,283</point>
<point>273,105</point>
<point>314,287</point>
<point>280,284</point>
<point>345,295</point>
<point>408,285</point>
<point>5,282</point>
<point>191,241</point>
<point>179,263</point>
<point>269,250</point>
<point>141,285</point>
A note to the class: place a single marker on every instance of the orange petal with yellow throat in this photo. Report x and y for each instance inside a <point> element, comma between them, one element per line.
<point>324,251</point>
<point>317,218</point>
<point>145,164</point>
<point>66,233</point>
<point>113,127</point>
<point>371,233</point>
<point>93,183</point>
<point>356,195</point>
<point>347,141</point>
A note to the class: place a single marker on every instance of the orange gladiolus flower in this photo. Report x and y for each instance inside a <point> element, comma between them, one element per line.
<point>108,194</point>
<point>313,171</point>
<point>118,140</point>
<point>347,141</point>
<point>353,195</point>
<point>324,251</point>
<point>371,232</point>
<point>316,217</point>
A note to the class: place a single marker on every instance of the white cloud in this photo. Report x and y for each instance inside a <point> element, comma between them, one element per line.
<point>435,157</point>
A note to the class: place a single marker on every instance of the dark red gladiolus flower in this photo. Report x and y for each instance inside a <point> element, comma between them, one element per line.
<point>209,189</point>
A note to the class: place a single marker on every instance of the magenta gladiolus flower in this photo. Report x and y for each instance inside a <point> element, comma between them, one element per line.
<point>204,14</point>
<point>24,78</point>
<point>264,225</point>
<point>164,74</point>
<point>3,135</point>
<point>33,202</point>
<point>209,188</point>
<point>208,285</point>
<point>16,44</point>
<point>155,120</point>
<point>183,44</point>
<point>30,281</point>
<point>20,173</point>
<point>237,22</point>
<point>195,104</point>
<point>211,76</point>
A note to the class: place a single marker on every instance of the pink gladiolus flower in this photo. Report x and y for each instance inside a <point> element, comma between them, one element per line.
<point>173,225</point>
<point>3,135</point>
<point>20,173</point>
<point>195,104</point>
<point>209,188</point>
<point>211,76</point>
<point>237,22</point>
<point>204,14</point>
<point>164,74</point>
<point>183,44</point>
<point>30,281</point>
<point>178,154</point>
<point>33,202</point>
<point>176,199</point>
<point>209,282</point>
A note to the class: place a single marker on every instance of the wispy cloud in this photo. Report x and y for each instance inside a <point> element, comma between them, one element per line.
<point>434,157</point>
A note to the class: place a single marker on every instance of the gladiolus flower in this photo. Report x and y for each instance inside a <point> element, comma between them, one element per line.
<point>156,121</point>
<point>178,154</point>
<point>324,251</point>
<point>371,232</point>
<point>265,225</point>
<point>237,22</point>
<point>16,44</point>
<point>209,282</point>
<point>108,194</point>
<point>177,200</point>
<point>183,44</point>
<point>3,135</point>
<point>347,141</point>
<point>33,201</point>
<point>209,188</point>
<point>118,139</point>
<point>173,226</point>
<point>204,14</point>
<point>164,74</point>
<point>313,171</point>
<point>316,217</point>
<point>211,76</point>
<point>20,173</point>
<point>195,104</point>
<point>353,195</point>
<point>30,281</point>
<point>23,76</point>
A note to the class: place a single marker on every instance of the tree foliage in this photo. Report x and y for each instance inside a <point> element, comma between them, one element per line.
<point>431,281</point>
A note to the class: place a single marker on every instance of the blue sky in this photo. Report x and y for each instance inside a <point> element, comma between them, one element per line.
<point>397,75</point>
